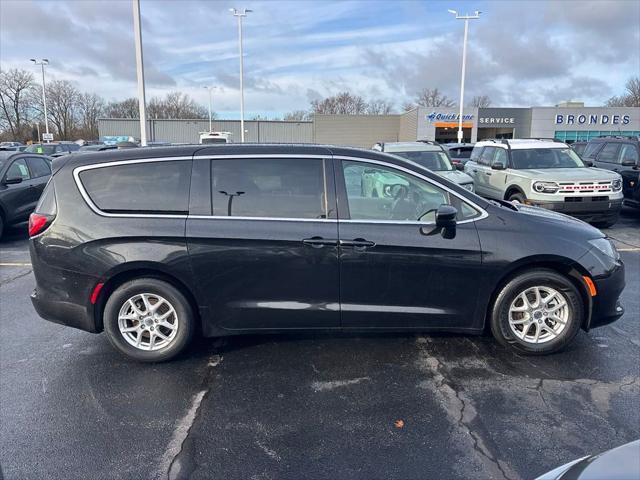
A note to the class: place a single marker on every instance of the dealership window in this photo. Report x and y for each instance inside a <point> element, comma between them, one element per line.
<point>571,136</point>
<point>275,188</point>
<point>149,187</point>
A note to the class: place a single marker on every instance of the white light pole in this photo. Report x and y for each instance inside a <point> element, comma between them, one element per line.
<point>42,63</point>
<point>137,34</point>
<point>466,19</point>
<point>210,89</point>
<point>240,14</point>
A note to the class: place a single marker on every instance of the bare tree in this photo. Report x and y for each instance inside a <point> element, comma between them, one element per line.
<point>343,103</point>
<point>379,107</point>
<point>62,107</point>
<point>433,98</point>
<point>408,106</point>
<point>15,102</point>
<point>127,108</point>
<point>298,116</point>
<point>480,101</point>
<point>631,98</point>
<point>175,105</point>
<point>90,108</point>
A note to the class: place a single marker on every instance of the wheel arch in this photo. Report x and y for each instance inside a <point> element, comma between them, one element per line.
<point>562,265</point>
<point>145,270</point>
<point>513,189</point>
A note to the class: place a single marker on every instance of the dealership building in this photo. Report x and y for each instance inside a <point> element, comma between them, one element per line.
<point>568,122</point>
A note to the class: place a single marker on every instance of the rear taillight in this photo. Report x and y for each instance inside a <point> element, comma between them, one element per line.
<point>38,223</point>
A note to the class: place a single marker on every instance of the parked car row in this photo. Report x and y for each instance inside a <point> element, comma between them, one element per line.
<point>545,173</point>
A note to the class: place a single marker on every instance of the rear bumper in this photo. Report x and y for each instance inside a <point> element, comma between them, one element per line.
<point>606,304</point>
<point>64,313</point>
<point>590,211</point>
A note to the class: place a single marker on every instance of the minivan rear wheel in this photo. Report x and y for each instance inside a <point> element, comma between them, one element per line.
<point>537,312</point>
<point>148,320</point>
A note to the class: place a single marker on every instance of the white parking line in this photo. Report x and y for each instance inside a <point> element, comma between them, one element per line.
<point>14,264</point>
<point>629,249</point>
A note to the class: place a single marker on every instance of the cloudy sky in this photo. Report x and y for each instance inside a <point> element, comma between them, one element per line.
<point>521,53</point>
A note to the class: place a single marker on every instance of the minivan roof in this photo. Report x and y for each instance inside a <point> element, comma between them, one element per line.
<point>90,158</point>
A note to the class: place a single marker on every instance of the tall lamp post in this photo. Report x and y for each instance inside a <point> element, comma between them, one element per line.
<point>42,63</point>
<point>466,19</point>
<point>142,109</point>
<point>240,14</point>
<point>210,89</point>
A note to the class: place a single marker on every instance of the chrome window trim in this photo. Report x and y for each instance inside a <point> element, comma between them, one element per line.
<point>94,208</point>
<point>78,170</point>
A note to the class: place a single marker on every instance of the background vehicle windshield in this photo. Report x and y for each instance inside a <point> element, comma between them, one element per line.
<point>44,149</point>
<point>436,161</point>
<point>545,158</point>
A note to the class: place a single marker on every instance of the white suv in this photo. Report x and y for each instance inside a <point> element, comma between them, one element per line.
<point>545,173</point>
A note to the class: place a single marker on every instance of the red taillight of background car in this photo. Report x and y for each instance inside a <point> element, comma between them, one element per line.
<point>38,223</point>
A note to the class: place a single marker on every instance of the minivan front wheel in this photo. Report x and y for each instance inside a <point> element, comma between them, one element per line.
<point>148,320</point>
<point>537,312</point>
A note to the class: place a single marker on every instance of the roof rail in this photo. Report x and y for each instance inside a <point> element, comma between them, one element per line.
<point>548,139</point>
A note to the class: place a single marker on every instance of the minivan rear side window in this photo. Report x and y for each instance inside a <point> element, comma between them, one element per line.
<point>272,188</point>
<point>148,187</point>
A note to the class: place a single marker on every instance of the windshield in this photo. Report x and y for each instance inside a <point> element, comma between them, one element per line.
<point>44,149</point>
<point>541,158</point>
<point>436,161</point>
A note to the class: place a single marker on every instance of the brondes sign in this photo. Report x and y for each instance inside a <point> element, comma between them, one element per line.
<point>599,119</point>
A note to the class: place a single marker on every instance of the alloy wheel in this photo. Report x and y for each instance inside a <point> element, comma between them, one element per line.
<point>148,321</point>
<point>539,314</point>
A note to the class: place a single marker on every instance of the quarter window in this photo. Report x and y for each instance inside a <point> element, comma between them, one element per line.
<point>18,169</point>
<point>383,193</point>
<point>609,153</point>
<point>149,187</point>
<point>39,167</point>
<point>273,188</point>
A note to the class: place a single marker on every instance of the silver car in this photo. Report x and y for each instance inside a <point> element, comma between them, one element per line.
<point>430,155</point>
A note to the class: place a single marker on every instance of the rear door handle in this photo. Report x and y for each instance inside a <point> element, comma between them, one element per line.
<point>319,242</point>
<point>357,243</point>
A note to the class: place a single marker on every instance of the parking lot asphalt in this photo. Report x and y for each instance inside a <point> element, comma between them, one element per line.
<point>309,406</point>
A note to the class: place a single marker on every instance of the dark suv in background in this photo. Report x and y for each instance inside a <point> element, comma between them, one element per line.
<point>22,179</point>
<point>622,155</point>
<point>152,245</point>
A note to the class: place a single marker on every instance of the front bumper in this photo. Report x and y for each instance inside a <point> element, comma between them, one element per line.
<point>606,304</point>
<point>586,209</point>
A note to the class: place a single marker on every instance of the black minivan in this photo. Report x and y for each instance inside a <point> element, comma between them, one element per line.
<point>156,245</point>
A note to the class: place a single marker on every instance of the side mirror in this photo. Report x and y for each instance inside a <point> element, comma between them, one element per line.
<point>12,180</point>
<point>459,166</point>
<point>446,220</point>
<point>628,162</point>
<point>498,166</point>
<point>588,163</point>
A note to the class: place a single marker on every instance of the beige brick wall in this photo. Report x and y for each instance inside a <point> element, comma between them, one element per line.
<point>356,130</point>
<point>409,126</point>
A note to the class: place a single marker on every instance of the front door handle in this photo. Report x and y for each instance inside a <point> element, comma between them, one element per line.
<point>319,242</point>
<point>357,243</point>
<point>487,173</point>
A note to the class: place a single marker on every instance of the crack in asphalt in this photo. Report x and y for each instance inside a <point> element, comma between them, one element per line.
<point>177,461</point>
<point>464,413</point>
<point>15,277</point>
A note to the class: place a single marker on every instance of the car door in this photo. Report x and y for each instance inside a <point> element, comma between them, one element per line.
<point>397,271</point>
<point>496,178</point>
<point>482,172</point>
<point>607,157</point>
<point>19,198</point>
<point>40,171</point>
<point>263,241</point>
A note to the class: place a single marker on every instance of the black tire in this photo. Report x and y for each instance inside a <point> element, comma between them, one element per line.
<point>501,328</point>
<point>607,223</point>
<point>518,197</point>
<point>183,311</point>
